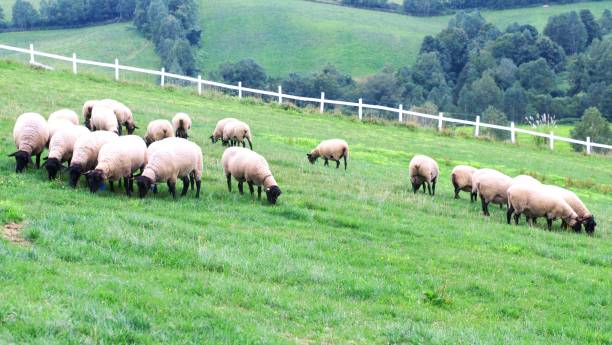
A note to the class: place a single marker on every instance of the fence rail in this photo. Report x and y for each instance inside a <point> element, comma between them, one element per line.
<point>400,112</point>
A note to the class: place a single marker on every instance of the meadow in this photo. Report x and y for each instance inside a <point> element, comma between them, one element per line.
<point>344,257</point>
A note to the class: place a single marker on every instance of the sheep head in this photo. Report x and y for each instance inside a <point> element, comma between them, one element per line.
<point>589,225</point>
<point>144,184</point>
<point>75,173</point>
<point>272,194</point>
<point>53,166</point>
<point>95,178</point>
<point>311,158</point>
<point>22,159</point>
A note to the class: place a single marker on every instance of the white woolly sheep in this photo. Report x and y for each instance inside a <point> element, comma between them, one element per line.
<point>584,215</point>
<point>60,119</point>
<point>534,201</point>
<point>249,166</point>
<point>87,108</point>
<point>218,131</point>
<point>234,133</point>
<point>525,179</point>
<point>103,119</point>
<point>492,186</point>
<point>31,136</point>
<point>461,176</point>
<point>118,159</point>
<point>332,149</point>
<point>182,124</point>
<point>85,153</point>
<point>423,170</point>
<point>158,130</point>
<point>172,159</point>
<point>61,148</point>
<point>123,113</point>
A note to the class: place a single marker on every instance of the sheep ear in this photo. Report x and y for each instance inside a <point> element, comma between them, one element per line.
<point>136,127</point>
<point>13,154</point>
<point>45,158</point>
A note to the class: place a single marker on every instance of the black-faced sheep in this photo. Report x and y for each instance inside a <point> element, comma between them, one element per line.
<point>492,186</point>
<point>182,124</point>
<point>87,108</point>
<point>103,119</point>
<point>158,130</point>
<point>423,171</point>
<point>31,136</point>
<point>332,149</point>
<point>461,176</point>
<point>85,153</point>
<point>235,132</point>
<point>218,131</point>
<point>61,148</point>
<point>249,166</point>
<point>61,119</point>
<point>123,113</point>
<point>584,215</point>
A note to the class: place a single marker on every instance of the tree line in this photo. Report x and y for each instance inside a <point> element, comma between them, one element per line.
<point>472,67</point>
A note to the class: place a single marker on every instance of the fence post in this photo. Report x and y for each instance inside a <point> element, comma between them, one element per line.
<point>74,63</point>
<point>401,113</point>
<point>440,121</point>
<point>32,53</point>
<point>117,69</point>
<point>477,130</point>
<point>199,85</point>
<point>322,106</point>
<point>240,90</point>
<point>552,141</point>
<point>588,145</point>
<point>360,109</point>
<point>512,133</point>
<point>280,94</point>
<point>163,77</point>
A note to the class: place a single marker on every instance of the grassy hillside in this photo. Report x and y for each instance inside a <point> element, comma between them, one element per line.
<point>302,36</point>
<point>345,257</point>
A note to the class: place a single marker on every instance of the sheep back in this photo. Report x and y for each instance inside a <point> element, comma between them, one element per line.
<point>158,130</point>
<point>535,201</point>
<point>423,168</point>
<point>333,149</point>
<point>30,133</point>
<point>103,119</point>
<point>181,123</point>
<point>87,147</point>
<point>61,145</point>
<point>462,177</point>
<point>218,131</point>
<point>122,157</point>
<point>493,187</point>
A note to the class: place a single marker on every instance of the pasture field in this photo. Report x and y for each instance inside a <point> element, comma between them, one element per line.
<point>344,257</point>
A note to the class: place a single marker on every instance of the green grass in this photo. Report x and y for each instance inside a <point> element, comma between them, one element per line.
<point>345,257</point>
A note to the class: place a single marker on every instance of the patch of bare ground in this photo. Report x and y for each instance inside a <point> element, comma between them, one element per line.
<point>12,233</point>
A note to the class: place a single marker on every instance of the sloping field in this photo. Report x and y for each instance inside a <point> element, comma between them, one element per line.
<point>345,257</point>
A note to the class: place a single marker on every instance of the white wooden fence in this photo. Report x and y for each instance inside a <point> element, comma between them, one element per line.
<point>440,118</point>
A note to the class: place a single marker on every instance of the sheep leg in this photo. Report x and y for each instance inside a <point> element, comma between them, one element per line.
<point>112,186</point>
<point>119,129</point>
<point>549,223</point>
<point>243,143</point>
<point>185,180</point>
<point>337,164</point>
<point>433,186</point>
<point>258,192</point>
<point>429,188</point>
<point>192,180</point>
<point>563,224</point>
<point>229,182</point>
<point>126,183</point>
<point>509,214</point>
<point>241,187</point>
<point>517,217</point>
<point>344,162</point>
<point>251,189</point>
<point>38,161</point>
<point>485,206</point>
<point>424,187</point>
<point>326,162</point>
<point>530,221</point>
<point>473,197</point>
<point>131,182</point>
<point>172,187</point>
<point>198,184</point>
<point>250,143</point>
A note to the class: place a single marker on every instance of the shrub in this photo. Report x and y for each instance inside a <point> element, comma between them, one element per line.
<point>594,125</point>
<point>493,116</point>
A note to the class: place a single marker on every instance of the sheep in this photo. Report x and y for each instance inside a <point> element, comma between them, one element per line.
<point>85,153</point>
<point>461,176</point>
<point>249,166</point>
<point>525,179</point>
<point>492,187</point>
<point>332,149</point>
<point>123,113</point>
<point>103,119</point>
<point>423,170</point>
<point>117,159</point>
<point>172,159</point>
<point>535,201</point>
<point>31,136</point>
<point>87,107</point>
<point>60,119</point>
<point>182,124</point>
<point>584,215</point>
<point>234,133</point>
<point>218,132</point>
<point>61,148</point>
<point>158,130</point>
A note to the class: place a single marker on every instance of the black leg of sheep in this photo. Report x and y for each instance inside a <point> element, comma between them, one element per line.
<point>251,189</point>
<point>433,186</point>
<point>112,186</point>
<point>38,161</point>
<point>185,180</point>
<point>326,162</point>
<point>485,206</point>
<point>429,188</point>
<point>229,182</point>
<point>549,223</point>
<point>517,217</point>
<point>241,187</point>
<point>198,185</point>
<point>345,162</point>
<point>192,180</point>
<point>259,192</point>
<point>509,214</point>
<point>337,164</point>
<point>172,188</point>
<point>126,182</point>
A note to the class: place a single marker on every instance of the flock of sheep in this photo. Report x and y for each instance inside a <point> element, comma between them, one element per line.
<point>522,194</point>
<point>97,151</point>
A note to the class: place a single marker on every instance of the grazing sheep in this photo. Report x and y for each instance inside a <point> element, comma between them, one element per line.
<point>123,113</point>
<point>61,119</point>
<point>118,158</point>
<point>170,160</point>
<point>423,171</point>
<point>158,130</point>
<point>218,132</point>
<point>31,136</point>
<point>249,166</point>
<point>182,124</point>
<point>525,179</point>
<point>103,119</point>
<point>61,148</point>
<point>461,176</point>
<point>332,149</point>
<point>535,201</point>
<point>85,153</point>
<point>87,108</point>
<point>492,187</point>
<point>234,133</point>
<point>584,215</point>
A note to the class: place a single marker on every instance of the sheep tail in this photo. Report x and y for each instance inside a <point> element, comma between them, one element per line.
<point>181,124</point>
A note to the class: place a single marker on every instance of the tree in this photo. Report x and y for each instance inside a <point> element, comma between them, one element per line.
<point>568,31</point>
<point>552,52</point>
<point>537,76</point>
<point>246,71</point>
<point>520,47</point>
<point>423,7</point>
<point>592,27</point>
<point>381,88</point>
<point>605,22</point>
<point>140,16</point>
<point>453,53</point>
<point>516,103</point>
<point>599,95</point>
<point>470,22</point>
<point>481,94</point>
<point>2,20</point>
<point>156,13</point>
<point>24,15</point>
<point>505,73</point>
<point>126,9</point>
<point>493,116</point>
<point>428,72</point>
<point>592,125</point>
